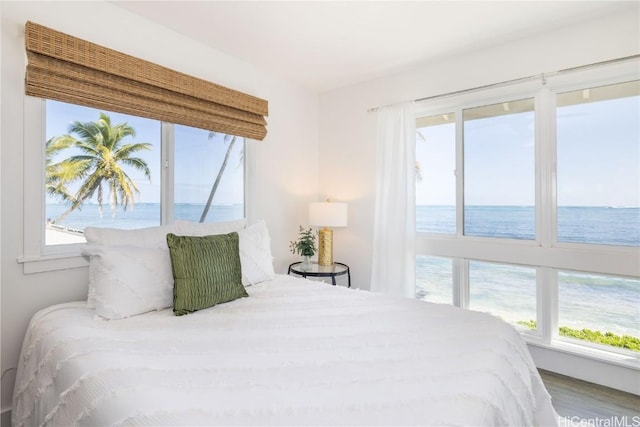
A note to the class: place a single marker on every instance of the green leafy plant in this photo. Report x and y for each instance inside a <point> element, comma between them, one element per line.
<point>607,338</point>
<point>306,243</point>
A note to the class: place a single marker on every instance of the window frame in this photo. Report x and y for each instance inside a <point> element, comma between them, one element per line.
<point>544,253</point>
<point>38,257</point>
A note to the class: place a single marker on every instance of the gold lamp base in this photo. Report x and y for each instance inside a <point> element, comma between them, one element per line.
<point>325,247</point>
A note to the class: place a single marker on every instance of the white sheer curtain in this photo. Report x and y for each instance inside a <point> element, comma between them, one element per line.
<point>393,267</point>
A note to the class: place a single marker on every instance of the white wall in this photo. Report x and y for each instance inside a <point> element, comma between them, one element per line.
<point>347,130</point>
<point>3,418</point>
<point>284,166</point>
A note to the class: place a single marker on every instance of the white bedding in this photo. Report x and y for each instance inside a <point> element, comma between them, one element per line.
<point>294,352</point>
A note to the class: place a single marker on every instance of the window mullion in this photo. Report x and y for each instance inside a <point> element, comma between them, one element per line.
<point>250,166</point>
<point>459,173</point>
<point>545,168</point>
<point>547,303</point>
<point>546,209</point>
<point>460,265</point>
<point>167,175</point>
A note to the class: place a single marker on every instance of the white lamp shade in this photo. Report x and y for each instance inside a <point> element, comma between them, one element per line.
<point>328,214</point>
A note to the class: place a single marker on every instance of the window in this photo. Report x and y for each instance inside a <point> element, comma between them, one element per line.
<point>506,291</point>
<point>79,193</point>
<point>434,279</point>
<point>598,165</point>
<point>585,309</point>
<point>206,164</point>
<point>436,182</point>
<point>542,227</point>
<point>69,170</point>
<point>499,185</point>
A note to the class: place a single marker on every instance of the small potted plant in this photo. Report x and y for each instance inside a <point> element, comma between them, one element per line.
<point>305,246</point>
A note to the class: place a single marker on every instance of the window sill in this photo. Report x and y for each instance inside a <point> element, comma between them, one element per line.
<point>595,354</point>
<point>41,264</point>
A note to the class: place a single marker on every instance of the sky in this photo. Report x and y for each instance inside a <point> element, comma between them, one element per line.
<point>599,154</point>
<point>598,158</point>
<point>197,156</point>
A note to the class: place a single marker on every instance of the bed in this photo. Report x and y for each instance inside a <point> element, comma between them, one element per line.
<point>294,352</point>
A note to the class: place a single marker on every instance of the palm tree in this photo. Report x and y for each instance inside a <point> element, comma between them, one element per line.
<point>100,164</point>
<point>61,173</point>
<point>232,140</point>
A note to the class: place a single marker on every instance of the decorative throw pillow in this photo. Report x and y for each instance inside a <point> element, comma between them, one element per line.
<point>206,271</point>
<point>130,280</point>
<point>255,254</point>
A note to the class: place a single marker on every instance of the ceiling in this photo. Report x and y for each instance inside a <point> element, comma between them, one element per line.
<point>325,45</point>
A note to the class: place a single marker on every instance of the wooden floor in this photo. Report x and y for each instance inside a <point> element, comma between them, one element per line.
<point>587,404</point>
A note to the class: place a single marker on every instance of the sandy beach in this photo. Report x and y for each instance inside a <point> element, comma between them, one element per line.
<point>60,236</point>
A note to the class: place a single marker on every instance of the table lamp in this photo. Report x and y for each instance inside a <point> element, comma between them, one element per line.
<point>324,215</point>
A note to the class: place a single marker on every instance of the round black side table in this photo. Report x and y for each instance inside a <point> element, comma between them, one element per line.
<point>316,270</point>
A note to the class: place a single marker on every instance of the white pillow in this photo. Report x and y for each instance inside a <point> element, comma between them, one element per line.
<point>130,280</point>
<point>150,237</point>
<point>255,254</point>
<point>189,228</point>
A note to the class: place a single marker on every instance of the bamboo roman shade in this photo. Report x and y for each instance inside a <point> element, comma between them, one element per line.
<point>68,69</point>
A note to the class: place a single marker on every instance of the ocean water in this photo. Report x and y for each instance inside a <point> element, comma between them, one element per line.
<point>141,215</point>
<point>601,225</point>
<point>596,302</point>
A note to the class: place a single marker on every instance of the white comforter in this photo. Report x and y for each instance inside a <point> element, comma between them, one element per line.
<point>294,353</point>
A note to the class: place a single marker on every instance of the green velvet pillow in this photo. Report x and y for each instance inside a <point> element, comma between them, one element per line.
<point>206,271</point>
